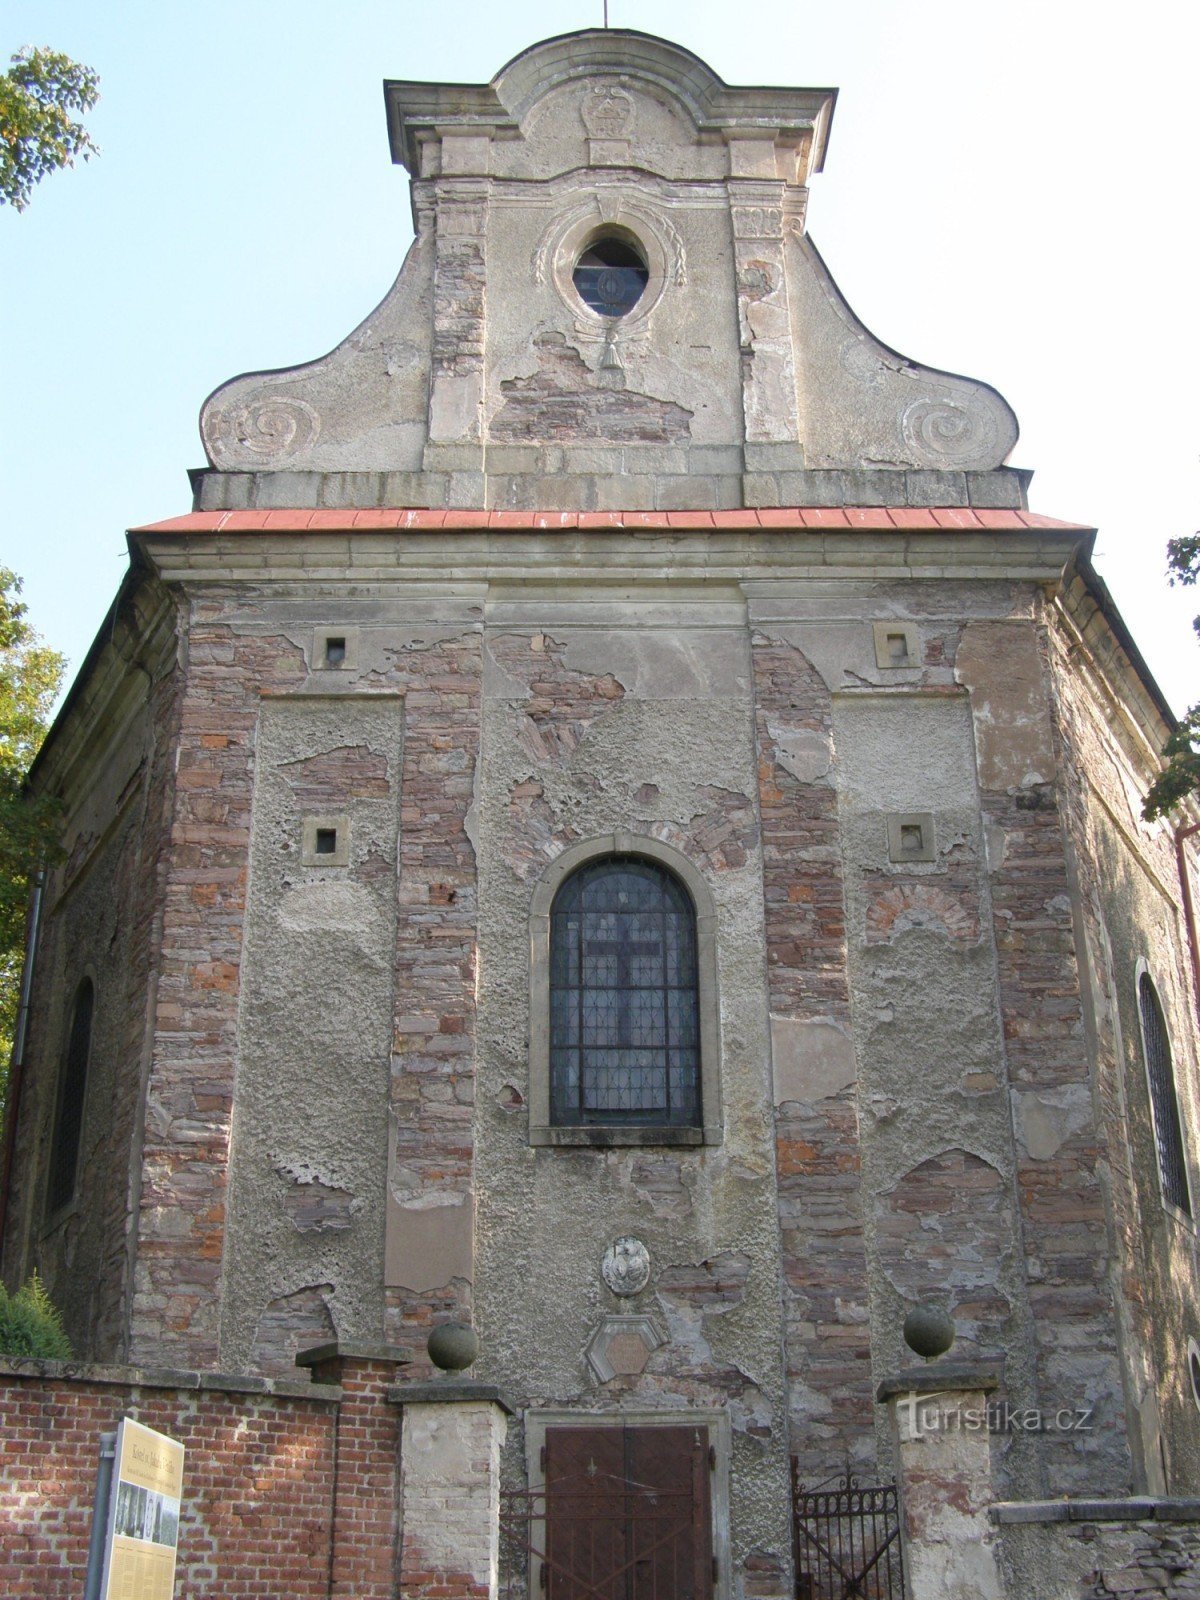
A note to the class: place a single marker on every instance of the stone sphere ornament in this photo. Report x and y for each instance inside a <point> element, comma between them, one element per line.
<point>928,1331</point>
<point>626,1265</point>
<point>453,1346</point>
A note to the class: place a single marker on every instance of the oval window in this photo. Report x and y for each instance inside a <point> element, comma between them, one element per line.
<point>611,276</point>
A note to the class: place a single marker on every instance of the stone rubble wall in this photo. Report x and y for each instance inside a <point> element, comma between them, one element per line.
<point>1093,1549</point>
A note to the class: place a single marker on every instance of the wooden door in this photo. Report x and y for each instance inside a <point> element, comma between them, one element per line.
<point>628,1514</point>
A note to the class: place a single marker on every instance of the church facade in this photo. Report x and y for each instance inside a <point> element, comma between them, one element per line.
<point>610,820</point>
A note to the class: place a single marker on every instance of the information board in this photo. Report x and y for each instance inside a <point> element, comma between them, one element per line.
<point>143,1515</point>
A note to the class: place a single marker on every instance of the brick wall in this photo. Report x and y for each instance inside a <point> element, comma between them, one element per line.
<point>433,1060</point>
<point>291,1489</point>
<point>258,1484</point>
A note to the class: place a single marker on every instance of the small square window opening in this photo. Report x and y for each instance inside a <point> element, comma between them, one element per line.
<point>910,836</point>
<point>897,645</point>
<point>325,841</point>
<point>335,650</point>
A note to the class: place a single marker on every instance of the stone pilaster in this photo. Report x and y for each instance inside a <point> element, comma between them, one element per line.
<point>939,1423</point>
<point>453,1431</point>
<point>764,319</point>
<point>459,297</point>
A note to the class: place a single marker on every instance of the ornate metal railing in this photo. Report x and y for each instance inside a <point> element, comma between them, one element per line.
<point>847,1541</point>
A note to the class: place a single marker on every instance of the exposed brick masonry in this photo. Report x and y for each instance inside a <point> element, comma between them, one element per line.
<point>190,1097</point>
<point>817,1146</point>
<point>564,402</point>
<point>433,1065</point>
<point>1062,1204</point>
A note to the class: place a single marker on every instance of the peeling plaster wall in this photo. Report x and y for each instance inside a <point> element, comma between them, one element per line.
<point>937,1134</point>
<point>305,1248</point>
<point>629,715</point>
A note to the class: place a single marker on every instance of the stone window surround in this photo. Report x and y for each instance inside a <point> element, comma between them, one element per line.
<point>883,632</point>
<point>541,1130</point>
<point>720,1435</point>
<point>321,638</point>
<point>1142,969</point>
<point>310,826</point>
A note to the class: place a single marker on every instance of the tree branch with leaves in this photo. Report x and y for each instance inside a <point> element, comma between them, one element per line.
<point>39,134</point>
<point>30,676</point>
<point>1181,775</point>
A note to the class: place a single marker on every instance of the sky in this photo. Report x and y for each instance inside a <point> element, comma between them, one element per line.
<point>1010,193</point>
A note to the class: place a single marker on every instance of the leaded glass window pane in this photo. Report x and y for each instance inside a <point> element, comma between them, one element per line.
<point>1168,1134</point>
<point>624,1006</point>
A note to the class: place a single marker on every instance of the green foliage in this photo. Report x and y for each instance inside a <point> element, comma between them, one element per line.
<point>38,135</point>
<point>31,1325</point>
<point>1181,775</point>
<point>30,675</point>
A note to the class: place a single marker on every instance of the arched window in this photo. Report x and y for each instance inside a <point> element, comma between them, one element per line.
<point>72,1088</point>
<point>624,1035</point>
<point>1164,1102</point>
<point>624,998</point>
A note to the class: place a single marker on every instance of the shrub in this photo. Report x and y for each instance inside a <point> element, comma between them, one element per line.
<point>30,1324</point>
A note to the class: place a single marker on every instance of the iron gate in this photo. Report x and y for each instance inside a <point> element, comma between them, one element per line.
<point>847,1541</point>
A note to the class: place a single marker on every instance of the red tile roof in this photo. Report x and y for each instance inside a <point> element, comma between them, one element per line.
<point>883,519</point>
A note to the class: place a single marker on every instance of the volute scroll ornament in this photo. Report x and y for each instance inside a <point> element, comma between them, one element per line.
<point>942,433</point>
<point>274,428</point>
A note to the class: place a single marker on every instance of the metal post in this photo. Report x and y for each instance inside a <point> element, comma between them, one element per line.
<point>104,1476</point>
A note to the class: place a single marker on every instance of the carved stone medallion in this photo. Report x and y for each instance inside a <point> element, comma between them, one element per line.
<point>626,1265</point>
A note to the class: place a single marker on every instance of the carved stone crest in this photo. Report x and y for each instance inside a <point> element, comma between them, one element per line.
<point>626,1265</point>
<point>607,113</point>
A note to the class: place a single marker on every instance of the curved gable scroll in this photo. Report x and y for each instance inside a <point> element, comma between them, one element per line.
<point>542,1131</point>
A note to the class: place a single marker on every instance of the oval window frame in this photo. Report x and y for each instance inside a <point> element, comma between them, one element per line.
<point>621,235</point>
<point>661,252</point>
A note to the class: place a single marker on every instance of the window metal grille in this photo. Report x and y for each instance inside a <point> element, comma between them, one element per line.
<point>68,1121</point>
<point>624,998</point>
<point>1168,1133</point>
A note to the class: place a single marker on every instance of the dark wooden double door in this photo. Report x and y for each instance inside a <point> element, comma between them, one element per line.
<point>628,1513</point>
